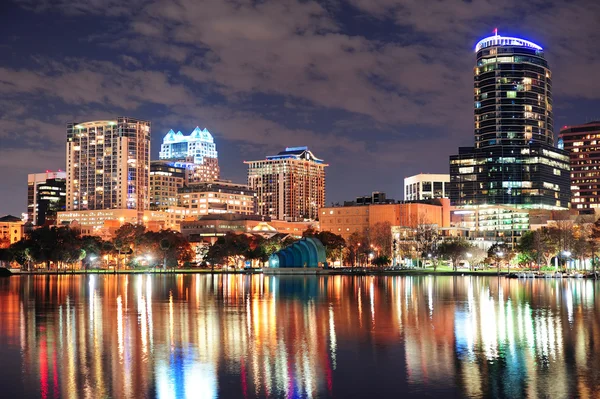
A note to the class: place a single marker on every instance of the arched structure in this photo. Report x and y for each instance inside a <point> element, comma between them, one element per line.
<point>308,252</point>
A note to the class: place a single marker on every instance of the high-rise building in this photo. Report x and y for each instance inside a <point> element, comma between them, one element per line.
<point>426,186</point>
<point>46,195</point>
<point>513,161</point>
<point>108,165</point>
<point>289,185</point>
<point>165,180</point>
<point>582,142</point>
<point>197,153</point>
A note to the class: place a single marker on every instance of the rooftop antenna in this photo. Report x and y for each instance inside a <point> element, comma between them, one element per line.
<point>496,32</point>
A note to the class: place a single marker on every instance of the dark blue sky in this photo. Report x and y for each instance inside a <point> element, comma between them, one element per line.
<point>380,89</point>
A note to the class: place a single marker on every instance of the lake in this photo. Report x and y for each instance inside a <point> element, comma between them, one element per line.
<point>248,336</point>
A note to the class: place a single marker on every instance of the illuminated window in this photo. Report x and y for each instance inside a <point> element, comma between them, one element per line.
<point>511,94</point>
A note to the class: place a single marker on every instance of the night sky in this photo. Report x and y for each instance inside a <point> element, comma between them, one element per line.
<point>380,89</point>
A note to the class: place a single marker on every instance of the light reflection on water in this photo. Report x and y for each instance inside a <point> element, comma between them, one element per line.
<point>236,336</point>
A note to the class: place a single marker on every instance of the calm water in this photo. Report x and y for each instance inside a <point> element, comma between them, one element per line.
<point>236,336</point>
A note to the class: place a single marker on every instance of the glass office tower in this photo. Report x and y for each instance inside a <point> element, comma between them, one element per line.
<point>513,160</point>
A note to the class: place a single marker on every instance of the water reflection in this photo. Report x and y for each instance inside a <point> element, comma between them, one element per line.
<point>254,336</point>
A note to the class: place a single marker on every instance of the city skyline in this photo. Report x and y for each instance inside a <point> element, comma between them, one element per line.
<point>153,70</point>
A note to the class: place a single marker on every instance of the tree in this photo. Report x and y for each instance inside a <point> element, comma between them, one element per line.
<point>380,237</point>
<point>477,256</point>
<point>357,244</point>
<point>334,244</point>
<point>455,250</point>
<point>229,248</point>
<point>129,236</point>
<point>500,252</point>
<point>381,261</point>
<point>426,237</point>
<point>168,244</point>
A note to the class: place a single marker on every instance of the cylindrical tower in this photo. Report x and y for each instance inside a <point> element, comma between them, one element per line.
<point>513,93</point>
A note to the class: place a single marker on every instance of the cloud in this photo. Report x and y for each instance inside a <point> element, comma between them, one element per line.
<point>369,84</point>
<point>87,82</point>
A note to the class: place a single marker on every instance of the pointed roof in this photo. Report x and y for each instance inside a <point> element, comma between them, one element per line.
<point>10,219</point>
<point>196,133</point>
<point>170,136</point>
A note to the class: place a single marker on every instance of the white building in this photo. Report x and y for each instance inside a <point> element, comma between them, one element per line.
<point>196,153</point>
<point>108,165</point>
<point>426,186</point>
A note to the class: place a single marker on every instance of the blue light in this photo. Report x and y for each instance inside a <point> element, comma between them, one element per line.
<point>498,40</point>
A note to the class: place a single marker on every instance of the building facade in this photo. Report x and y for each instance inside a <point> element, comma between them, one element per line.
<point>165,180</point>
<point>108,165</point>
<point>491,223</point>
<point>376,197</point>
<point>345,220</point>
<point>11,230</point>
<point>290,185</point>
<point>582,142</point>
<point>208,228</point>
<point>46,195</point>
<point>196,153</point>
<point>217,197</point>
<point>426,186</point>
<point>513,161</point>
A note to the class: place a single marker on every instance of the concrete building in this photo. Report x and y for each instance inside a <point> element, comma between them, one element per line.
<point>207,229</point>
<point>108,165</point>
<point>582,142</point>
<point>217,197</point>
<point>513,161</point>
<point>376,197</point>
<point>104,222</point>
<point>165,180</point>
<point>11,230</point>
<point>426,186</point>
<point>491,223</point>
<point>290,185</point>
<point>196,153</point>
<point>46,195</point>
<point>345,220</point>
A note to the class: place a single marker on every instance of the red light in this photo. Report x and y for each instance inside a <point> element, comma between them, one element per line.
<point>48,171</point>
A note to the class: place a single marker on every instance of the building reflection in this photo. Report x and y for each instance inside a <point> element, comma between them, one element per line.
<point>218,335</point>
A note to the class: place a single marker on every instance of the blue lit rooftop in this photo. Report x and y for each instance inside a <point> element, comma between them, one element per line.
<point>498,40</point>
<point>196,135</point>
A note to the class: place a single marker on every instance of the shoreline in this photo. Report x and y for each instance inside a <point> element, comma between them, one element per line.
<point>299,272</point>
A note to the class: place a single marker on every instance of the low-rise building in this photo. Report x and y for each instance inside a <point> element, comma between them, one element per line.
<point>105,222</point>
<point>345,220</point>
<point>11,230</point>
<point>217,197</point>
<point>208,229</point>
<point>426,186</point>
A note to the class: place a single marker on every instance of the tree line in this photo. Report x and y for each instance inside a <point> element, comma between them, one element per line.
<point>66,248</point>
